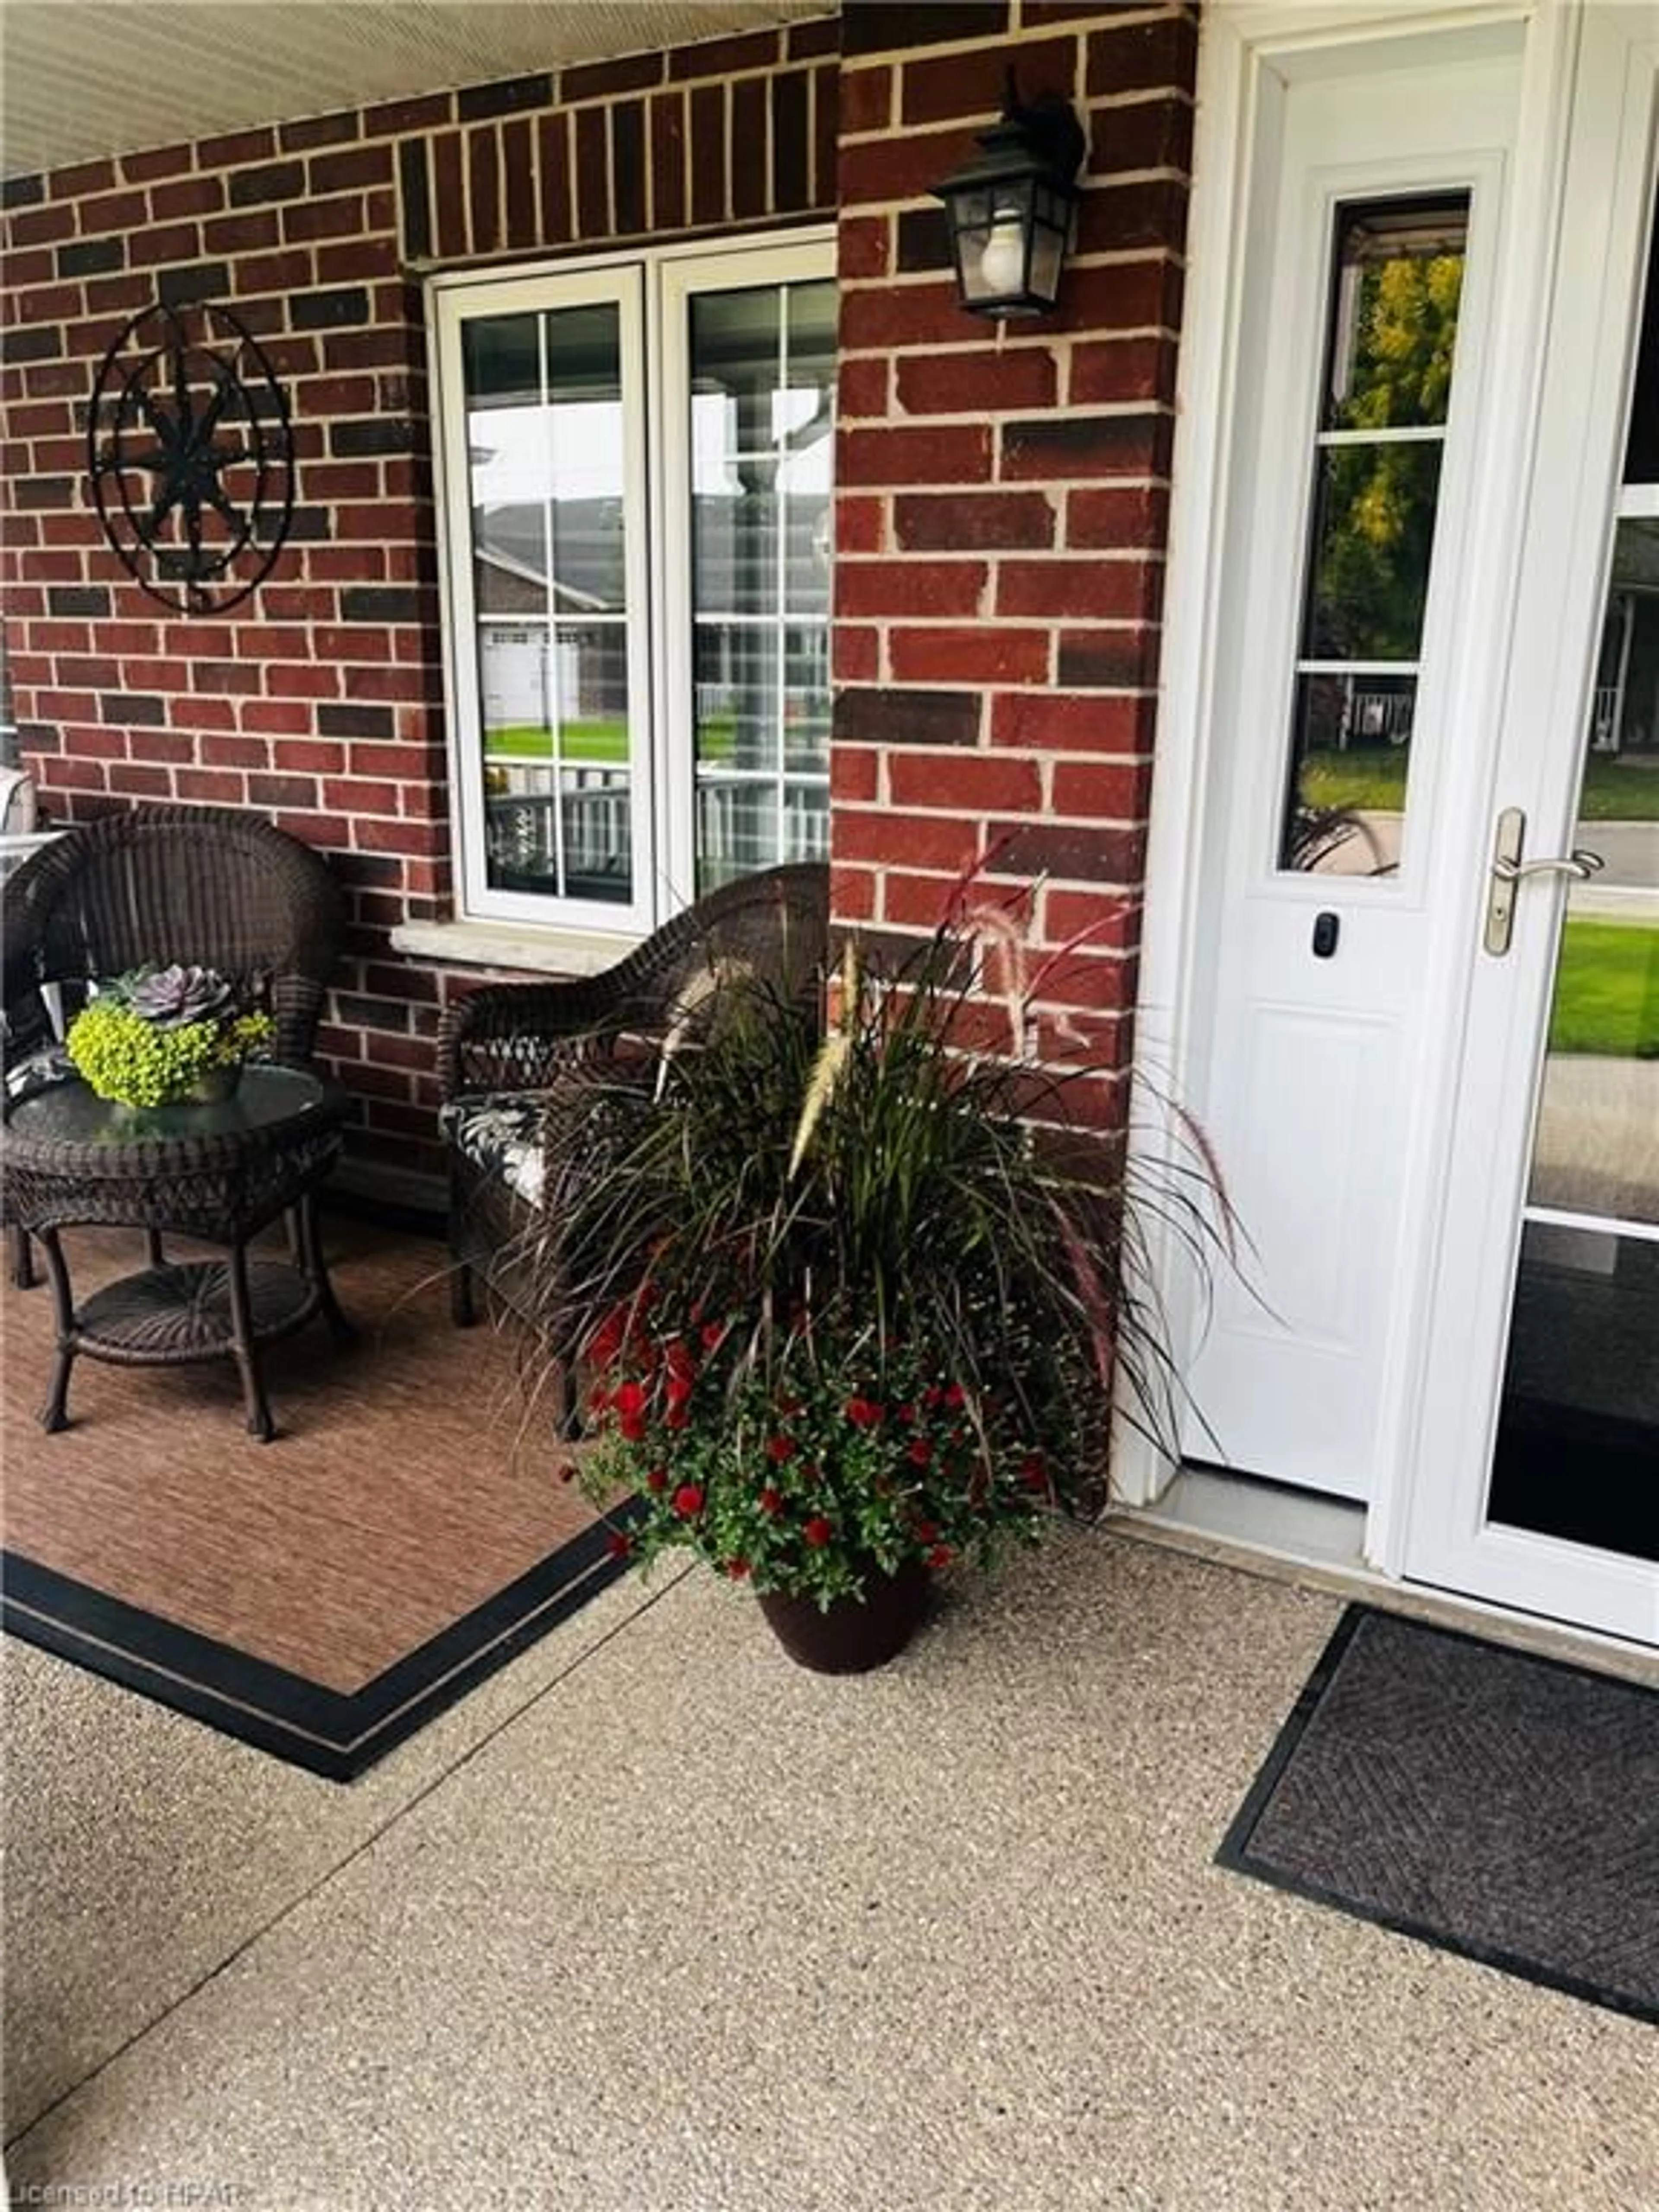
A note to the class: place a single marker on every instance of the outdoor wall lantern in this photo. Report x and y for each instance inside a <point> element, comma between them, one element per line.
<point>1010,208</point>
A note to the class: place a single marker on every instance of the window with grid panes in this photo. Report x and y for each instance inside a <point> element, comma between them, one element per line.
<point>635,462</point>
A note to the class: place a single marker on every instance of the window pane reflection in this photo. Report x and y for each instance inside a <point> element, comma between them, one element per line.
<point>1373,528</point>
<point>1351,744</point>
<point>1578,1435</point>
<point>1399,281</point>
<point>761,416</point>
<point>1396,281</point>
<point>545,458</point>
<point>1580,1389</point>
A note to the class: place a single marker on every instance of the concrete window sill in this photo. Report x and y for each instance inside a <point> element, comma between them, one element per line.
<point>495,945</point>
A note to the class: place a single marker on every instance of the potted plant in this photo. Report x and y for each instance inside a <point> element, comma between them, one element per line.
<point>158,1036</point>
<point>848,1287</point>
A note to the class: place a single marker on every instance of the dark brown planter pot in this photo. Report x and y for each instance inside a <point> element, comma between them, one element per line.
<point>215,1085</point>
<point>852,1635</point>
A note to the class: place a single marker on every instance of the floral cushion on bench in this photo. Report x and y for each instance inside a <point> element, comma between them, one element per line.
<point>47,1064</point>
<point>501,1133</point>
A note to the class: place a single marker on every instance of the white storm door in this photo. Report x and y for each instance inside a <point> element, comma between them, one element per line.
<point>1366,297</point>
<point>1535,1471</point>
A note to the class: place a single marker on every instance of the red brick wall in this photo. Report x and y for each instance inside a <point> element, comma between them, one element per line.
<point>318,699</point>
<point>1001,511</point>
<point>1002,489</point>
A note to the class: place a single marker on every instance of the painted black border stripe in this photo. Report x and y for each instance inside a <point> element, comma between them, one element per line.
<point>1234,1850</point>
<point>323,1730</point>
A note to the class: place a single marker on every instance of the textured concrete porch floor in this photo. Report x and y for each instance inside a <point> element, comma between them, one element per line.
<point>659,1922</point>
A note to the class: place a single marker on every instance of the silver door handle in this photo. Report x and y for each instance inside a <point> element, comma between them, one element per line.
<point>1577,863</point>
<point>1508,869</point>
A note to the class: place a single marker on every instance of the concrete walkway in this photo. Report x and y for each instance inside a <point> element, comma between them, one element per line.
<point>656,1923</point>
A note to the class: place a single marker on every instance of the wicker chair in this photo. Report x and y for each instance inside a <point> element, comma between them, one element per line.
<point>506,1052</point>
<point>203,885</point>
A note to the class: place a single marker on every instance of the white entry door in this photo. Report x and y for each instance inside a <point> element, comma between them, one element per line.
<point>1340,702</point>
<point>1417,673</point>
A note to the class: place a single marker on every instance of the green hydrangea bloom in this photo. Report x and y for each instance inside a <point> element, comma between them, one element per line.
<point>133,1062</point>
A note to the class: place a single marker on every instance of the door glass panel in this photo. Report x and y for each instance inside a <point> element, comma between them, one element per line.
<point>1373,527</point>
<point>1395,287</point>
<point>545,435</point>
<point>1577,1450</point>
<point>762,411</point>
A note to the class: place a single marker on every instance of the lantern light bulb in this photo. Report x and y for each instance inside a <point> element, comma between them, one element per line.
<point>1002,264</point>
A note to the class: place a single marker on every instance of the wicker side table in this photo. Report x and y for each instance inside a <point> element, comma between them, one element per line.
<point>217,1173</point>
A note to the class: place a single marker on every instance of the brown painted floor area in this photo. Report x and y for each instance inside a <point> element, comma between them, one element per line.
<point>411,1478</point>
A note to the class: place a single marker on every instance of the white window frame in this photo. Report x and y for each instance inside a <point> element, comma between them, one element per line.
<point>652,289</point>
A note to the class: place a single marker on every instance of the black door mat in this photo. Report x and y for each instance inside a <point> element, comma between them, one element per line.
<point>1500,1805</point>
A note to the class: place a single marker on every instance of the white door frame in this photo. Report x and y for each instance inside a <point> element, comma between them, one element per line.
<point>1249,49</point>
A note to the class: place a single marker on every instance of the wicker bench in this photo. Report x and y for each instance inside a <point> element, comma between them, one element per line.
<point>510,1052</point>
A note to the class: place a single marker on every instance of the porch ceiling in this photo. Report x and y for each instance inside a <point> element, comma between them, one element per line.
<point>87,78</point>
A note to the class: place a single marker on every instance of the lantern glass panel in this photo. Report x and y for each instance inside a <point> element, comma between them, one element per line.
<point>1048,252</point>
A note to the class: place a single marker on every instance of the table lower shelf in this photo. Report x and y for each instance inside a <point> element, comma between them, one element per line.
<point>171,1315</point>
<point>167,1315</point>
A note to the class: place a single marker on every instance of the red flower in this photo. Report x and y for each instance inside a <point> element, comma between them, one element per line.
<point>919,1451</point>
<point>714,1334</point>
<point>633,1427</point>
<point>688,1501</point>
<point>926,1532</point>
<point>939,1556</point>
<point>906,1413</point>
<point>779,1448</point>
<point>677,1417</point>
<point>737,1569</point>
<point>817,1532</point>
<point>681,1365</point>
<point>657,1480</point>
<point>617,1545</point>
<point>1031,1472</point>
<point>606,1341</point>
<point>955,1395</point>
<point>864,1413</point>
<point>677,1390</point>
<point>771,1501</point>
<point>627,1399</point>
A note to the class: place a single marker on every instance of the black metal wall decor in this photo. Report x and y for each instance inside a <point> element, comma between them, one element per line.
<point>191,454</point>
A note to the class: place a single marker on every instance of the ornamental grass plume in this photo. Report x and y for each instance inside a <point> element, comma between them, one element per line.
<point>847,1292</point>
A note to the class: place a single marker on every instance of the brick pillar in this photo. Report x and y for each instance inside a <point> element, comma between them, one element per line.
<point>1003,489</point>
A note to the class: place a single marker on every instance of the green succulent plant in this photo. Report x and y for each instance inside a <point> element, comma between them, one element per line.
<point>151,1036</point>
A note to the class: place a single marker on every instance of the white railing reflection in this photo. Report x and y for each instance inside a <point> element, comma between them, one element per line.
<point>1382,714</point>
<point>1606,712</point>
<point>748,825</point>
<point>574,827</point>
<point>558,824</point>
